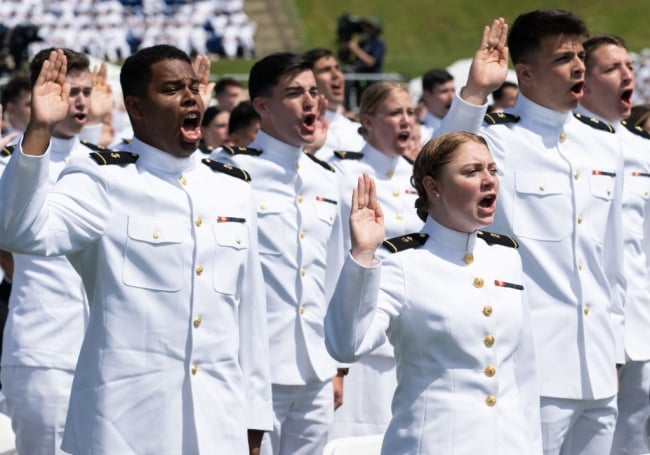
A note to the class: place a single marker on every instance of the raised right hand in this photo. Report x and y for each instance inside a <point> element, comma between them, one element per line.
<point>367,229</point>
<point>50,92</point>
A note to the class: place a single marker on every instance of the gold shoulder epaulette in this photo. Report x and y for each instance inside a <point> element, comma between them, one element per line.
<point>227,169</point>
<point>204,148</point>
<point>491,239</point>
<point>320,162</point>
<point>234,150</point>
<point>344,155</point>
<point>595,123</point>
<point>635,129</point>
<point>404,242</point>
<point>113,157</point>
<point>7,150</point>
<point>499,118</point>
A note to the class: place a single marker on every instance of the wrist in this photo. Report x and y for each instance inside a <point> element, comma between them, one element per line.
<point>340,372</point>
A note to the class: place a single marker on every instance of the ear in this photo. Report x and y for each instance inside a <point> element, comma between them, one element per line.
<point>261,105</point>
<point>525,74</point>
<point>366,121</point>
<point>431,187</point>
<point>133,106</point>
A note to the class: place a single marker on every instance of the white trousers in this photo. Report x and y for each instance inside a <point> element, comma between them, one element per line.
<point>631,437</point>
<point>37,402</point>
<point>578,427</point>
<point>367,395</point>
<point>302,416</point>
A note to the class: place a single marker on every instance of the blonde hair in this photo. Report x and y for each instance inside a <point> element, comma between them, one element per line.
<point>434,156</point>
<point>373,96</point>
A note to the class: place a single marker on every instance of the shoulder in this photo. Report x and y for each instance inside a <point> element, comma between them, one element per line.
<point>234,150</point>
<point>324,164</point>
<point>595,123</point>
<point>224,168</point>
<point>405,242</point>
<point>205,148</point>
<point>492,238</point>
<point>635,129</point>
<point>345,155</point>
<point>7,150</point>
<point>500,118</point>
<point>106,157</point>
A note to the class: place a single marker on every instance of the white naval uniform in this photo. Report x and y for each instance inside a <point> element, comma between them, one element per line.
<point>455,311</point>
<point>48,315</point>
<point>560,196</point>
<point>371,382</point>
<point>175,358</point>
<point>431,121</point>
<point>301,250</point>
<point>342,134</point>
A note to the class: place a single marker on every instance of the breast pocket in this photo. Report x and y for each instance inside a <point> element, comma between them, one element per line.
<point>601,185</point>
<point>272,213</point>
<point>232,240</point>
<point>153,254</point>
<point>542,206</point>
<point>638,184</point>
<point>326,209</point>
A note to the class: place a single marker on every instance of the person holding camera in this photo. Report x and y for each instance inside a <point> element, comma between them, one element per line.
<point>369,52</point>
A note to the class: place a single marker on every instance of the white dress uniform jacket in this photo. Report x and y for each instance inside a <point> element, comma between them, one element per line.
<point>343,133</point>
<point>561,196</point>
<point>301,250</point>
<point>455,311</point>
<point>175,358</point>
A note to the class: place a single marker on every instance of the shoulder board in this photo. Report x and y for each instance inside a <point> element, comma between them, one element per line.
<point>342,154</point>
<point>499,118</point>
<point>127,140</point>
<point>95,147</point>
<point>497,239</point>
<point>234,150</point>
<point>227,169</point>
<point>204,148</point>
<point>7,150</point>
<point>408,160</point>
<point>404,242</point>
<point>635,129</point>
<point>112,157</point>
<point>594,123</point>
<point>322,163</point>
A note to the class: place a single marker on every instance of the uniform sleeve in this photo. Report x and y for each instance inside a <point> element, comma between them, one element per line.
<point>355,324</point>
<point>254,339</point>
<point>61,221</point>
<point>462,116</point>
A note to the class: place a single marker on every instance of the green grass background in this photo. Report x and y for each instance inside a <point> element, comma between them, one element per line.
<point>424,34</point>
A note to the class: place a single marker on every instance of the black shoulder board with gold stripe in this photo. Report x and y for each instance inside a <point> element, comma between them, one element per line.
<point>207,149</point>
<point>227,169</point>
<point>594,123</point>
<point>234,150</point>
<point>7,150</point>
<point>635,129</point>
<point>404,242</point>
<point>499,118</point>
<point>112,157</point>
<point>322,163</point>
<point>95,147</point>
<point>491,239</point>
<point>342,154</point>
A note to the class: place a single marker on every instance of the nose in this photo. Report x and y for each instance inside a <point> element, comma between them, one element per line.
<point>579,67</point>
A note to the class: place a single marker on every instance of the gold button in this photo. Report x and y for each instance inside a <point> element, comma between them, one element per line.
<point>390,174</point>
<point>238,241</point>
<point>399,217</point>
<point>198,221</point>
<point>490,371</point>
<point>478,282</point>
<point>302,272</point>
<point>580,219</point>
<point>576,175</point>
<point>263,206</point>
<point>156,235</point>
<point>199,270</point>
<point>490,400</point>
<point>586,310</point>
<point>609,192</point>
<point>487,310</point>
<point>68,159</point>
<point>562,136</point>
<point>468,258</point>
<point>542,187</point>
<point>197,321</point>
<point>579,265</point>
<point>302,309</point>
<point>183,180</point>
<point>488,341</point>
<point>299,198</point>
<point>302,234</point>
<point>645,193</point>
<point>194,369</point>
<point>297,165</point>
<point>396,193</point>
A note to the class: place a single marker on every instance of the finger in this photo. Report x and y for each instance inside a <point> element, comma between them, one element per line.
<point>102,72</point>
<point>354,208</point>
<point>61,68</point>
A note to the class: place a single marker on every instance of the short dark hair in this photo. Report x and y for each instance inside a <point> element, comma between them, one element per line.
<point>76,62</point>
<point>435,76</point>
<point>594,42</point>
<point>136,71</point>
<point>267,72</point>
<point>497,95</point>
<point>242,116</point>
<point>639,114</point>
<point>223,83</point>
<point>210,113</point>
<point>13,89</point>
<point>314,55</point>
<point>528,30</point>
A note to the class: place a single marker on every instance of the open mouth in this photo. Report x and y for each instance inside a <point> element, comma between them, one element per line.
<point>403,136</point>
<point>80,116</point>
<point>309,119</point>
<point>190,129</point>
<point>576,89</point>
<point>488,201</point>
<point>626,97</point>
